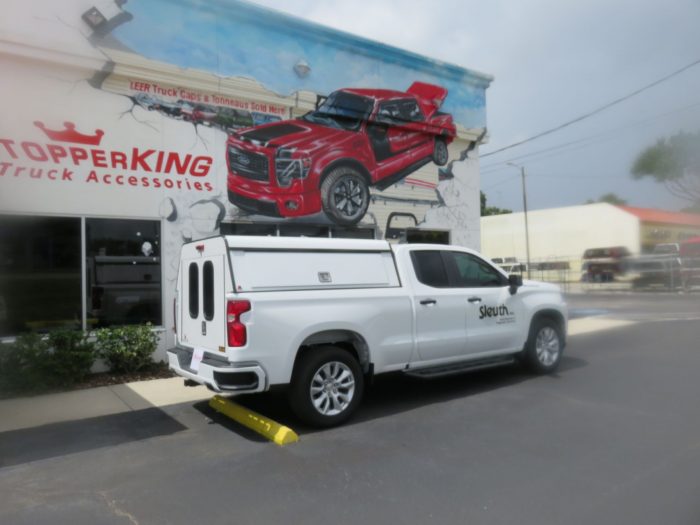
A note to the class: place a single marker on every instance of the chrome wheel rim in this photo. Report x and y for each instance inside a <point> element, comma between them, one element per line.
<point>332,388</point>
<point>348,197</point>
<point>547,346</point>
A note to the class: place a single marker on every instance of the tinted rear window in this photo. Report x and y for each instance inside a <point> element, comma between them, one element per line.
<point>208,290</point>
<point>430,268</point>
<point>194,290</point>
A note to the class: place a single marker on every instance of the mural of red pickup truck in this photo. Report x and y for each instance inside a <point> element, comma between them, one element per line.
<point>328,159</point>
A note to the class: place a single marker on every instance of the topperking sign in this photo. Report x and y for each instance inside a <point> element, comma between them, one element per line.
<point>71,156</point>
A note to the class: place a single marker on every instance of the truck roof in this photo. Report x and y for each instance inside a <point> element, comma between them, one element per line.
<point>304,243</point>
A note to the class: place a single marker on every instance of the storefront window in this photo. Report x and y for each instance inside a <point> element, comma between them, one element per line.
<point>123,272</point>
<point>39,274</point>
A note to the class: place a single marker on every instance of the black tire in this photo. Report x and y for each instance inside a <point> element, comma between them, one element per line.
<point>307,374</point>
<point>345,196</point>
<point>545,362</point>
<point>440,154</point>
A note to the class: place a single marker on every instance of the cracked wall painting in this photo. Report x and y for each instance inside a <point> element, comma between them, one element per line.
<point>204,113</point>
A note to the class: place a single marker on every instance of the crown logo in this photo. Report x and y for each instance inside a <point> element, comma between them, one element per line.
<point>71,135</point>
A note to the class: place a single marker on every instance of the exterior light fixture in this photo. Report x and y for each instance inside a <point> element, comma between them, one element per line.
<point>302,68</point>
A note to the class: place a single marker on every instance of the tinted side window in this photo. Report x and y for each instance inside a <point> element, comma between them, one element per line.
<point>430,268</point>
<point>208,290</point>
<point>389,113</point>
<point>411,111</point>
<point>470,271</point>
<point>194,290</point>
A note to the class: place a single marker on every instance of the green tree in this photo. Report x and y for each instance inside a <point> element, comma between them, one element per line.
<point>491,210</point>
<point>674,162</point>
<point>610,198</point>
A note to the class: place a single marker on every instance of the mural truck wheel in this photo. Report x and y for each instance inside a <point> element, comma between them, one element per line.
<point>440,154</point>
<point>345,196</point>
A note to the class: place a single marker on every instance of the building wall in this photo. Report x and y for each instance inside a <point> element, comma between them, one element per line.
<point>560,234</point>
<point>657,233</point>
<point>88,121</point>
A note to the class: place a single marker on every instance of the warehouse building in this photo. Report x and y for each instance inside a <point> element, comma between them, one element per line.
<point>560,236</point>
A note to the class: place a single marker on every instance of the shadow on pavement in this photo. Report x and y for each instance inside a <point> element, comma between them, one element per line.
<point>390,394</point>
<point>59,439</point>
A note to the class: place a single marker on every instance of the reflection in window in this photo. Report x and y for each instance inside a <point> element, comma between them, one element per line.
<point>473,272</point>
<point>123,272</point>
<point>39,274</point>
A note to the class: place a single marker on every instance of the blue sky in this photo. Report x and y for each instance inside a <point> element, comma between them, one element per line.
<point>240,41</point>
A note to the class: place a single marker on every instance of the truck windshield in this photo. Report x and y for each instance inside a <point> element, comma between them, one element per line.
<point>341,110</point>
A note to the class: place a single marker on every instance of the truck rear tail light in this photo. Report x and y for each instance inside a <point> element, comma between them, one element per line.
<point>237,332</point>
<point>175,316</point>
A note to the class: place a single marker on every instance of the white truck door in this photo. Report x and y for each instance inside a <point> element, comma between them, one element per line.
<point>440,310</point>
<point>203,303</point>
<point>493,315</point>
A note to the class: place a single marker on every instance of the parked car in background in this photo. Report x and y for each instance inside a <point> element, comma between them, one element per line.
<point>172,109</point>
<point>263,118</point>
<point>203,114</point>
<point>230,119</point>
<point>667,248</point>
<point>604,264</point>
<point>328,159</point>
<point>690,262</point>
<point>146,101</point>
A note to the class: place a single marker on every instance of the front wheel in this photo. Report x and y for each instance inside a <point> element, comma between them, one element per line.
<point>345,196</point>
<point>544,346</point>
<point>440,154</point>
<point>326,387</point>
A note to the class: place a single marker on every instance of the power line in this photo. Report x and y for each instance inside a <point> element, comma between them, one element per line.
<point>595,111</point>
<point>591,139</point>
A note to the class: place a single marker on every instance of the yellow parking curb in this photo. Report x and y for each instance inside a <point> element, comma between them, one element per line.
<point>268,428</point>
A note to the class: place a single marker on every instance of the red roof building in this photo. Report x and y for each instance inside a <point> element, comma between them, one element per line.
<point>652,215</point>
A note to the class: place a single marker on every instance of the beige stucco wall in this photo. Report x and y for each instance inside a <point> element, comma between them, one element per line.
<point>560,233</point>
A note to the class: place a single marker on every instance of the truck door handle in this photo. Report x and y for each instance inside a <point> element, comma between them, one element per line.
<point>428,302</point>
<point>474,299</point>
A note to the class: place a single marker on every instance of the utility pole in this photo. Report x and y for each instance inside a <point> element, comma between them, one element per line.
<point>527,229</point>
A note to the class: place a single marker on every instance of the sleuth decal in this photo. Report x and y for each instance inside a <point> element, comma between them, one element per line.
<point>29,159</point>
<point>501,312</point>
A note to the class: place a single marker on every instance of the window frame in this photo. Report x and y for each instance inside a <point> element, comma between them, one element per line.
<point>452,273</point>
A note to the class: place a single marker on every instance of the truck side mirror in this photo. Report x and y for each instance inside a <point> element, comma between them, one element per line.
<point>515,281</point>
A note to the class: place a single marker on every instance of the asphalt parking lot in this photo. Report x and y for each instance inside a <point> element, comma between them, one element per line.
<point>613,437</point>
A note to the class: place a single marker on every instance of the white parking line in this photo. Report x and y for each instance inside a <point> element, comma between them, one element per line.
<point>595,324</point>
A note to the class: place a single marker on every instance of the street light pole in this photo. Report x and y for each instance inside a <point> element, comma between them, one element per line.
<point>527,229</point>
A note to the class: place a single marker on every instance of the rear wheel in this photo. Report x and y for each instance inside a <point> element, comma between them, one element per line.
<point>345,196</point>
<point>544,346</point>
<point>326,387</point>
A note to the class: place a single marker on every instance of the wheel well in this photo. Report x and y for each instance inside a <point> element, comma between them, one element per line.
<point>553,315</point>
<point>349,163</point>
<point>348,340</point>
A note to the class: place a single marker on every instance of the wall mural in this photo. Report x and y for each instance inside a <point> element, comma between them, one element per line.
<point>201,113</point>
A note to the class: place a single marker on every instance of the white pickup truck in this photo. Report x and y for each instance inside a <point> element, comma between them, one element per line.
<point>321,316</point>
